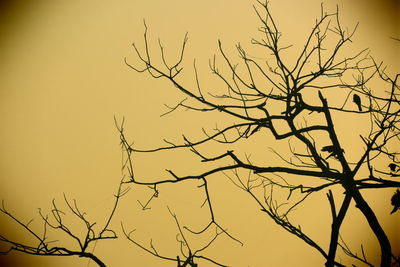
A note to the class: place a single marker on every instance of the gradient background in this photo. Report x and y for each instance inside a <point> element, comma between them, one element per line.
<point>62,79</point>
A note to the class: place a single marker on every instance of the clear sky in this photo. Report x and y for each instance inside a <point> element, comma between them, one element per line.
<point>63,79</point>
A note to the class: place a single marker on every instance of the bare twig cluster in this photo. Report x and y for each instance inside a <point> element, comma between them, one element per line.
<point>58,221</point>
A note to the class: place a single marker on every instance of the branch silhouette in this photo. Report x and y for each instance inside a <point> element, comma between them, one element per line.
<point>43,246</point>
<point>275,96</point>
<point>269,100</point>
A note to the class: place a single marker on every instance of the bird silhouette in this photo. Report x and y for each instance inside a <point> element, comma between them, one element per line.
<point>357,100</point>
<point>393,167</point>
<point>332,150</point>
<point>395,201</point>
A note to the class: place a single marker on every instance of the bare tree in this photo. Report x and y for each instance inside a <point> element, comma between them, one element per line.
<point>295,100</point>
<point>299,100</point>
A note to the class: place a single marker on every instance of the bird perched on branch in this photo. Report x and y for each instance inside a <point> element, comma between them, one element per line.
<point>394,167</point>
<point>357,100</point>
<point>332,150</point>
<point>395,201</point>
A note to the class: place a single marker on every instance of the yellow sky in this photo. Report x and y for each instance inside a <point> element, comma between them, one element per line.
<point>63,79</point>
